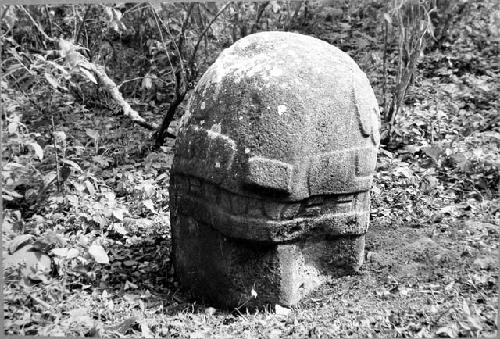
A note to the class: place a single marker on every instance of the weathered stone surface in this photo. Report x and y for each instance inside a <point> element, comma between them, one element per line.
<point>272,170</point>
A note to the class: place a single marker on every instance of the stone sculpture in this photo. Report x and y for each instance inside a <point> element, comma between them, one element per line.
<point>273,164</point>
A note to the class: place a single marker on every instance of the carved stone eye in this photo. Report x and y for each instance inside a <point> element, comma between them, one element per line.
<point>340,172</point>
<point>204,154</point>
<point>269,174</point>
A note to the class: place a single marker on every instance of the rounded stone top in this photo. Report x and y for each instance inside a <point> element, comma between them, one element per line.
<point>284,112</point>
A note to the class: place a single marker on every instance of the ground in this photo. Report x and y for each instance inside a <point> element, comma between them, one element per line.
<point>431,251</point>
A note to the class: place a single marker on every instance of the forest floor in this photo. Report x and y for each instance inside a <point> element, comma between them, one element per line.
<point>431,250</point>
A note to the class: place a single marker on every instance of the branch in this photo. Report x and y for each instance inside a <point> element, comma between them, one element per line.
<point>115,93</point>
<point>259,15</point>
<point>403,83</point>
<point>127,81</point>
<point>208,10</point>
<point>48,18</point>
<point>184,25</point>
<point>75,30</point>
<point>75,58</point>
<point>80,27</point>
<point>162,132</point>
<point>183,74</point>
<point>158,19</point>
<point>4,12</point>
<point>384,68</point>
<point>191,61</point>
<point>37,25</point>
<point>180,95</point>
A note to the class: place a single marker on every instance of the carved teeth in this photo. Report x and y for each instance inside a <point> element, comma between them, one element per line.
<point>316,200</point>
<point>250,207</point>
<point>290,211</point>
<point>212,193</point>
<point>239,204</point>
<point>254,208</point>
<point>273,210</point>
<point>225,201</point>
<point>312,211</point>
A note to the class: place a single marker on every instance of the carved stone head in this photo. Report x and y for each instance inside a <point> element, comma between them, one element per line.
<point>278,144</point>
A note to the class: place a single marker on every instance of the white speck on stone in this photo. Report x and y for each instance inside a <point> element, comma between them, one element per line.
<point>247,150</point>
<point>276,72</point>
<point>220,72</point>
<point>240,118</point>
<point>268,107</point>
<point>254,69</point>
<point>202,105</point>
<point>281,109</point>
<point>243,43</point>
<point>217,165</point>
<point>230,62</point>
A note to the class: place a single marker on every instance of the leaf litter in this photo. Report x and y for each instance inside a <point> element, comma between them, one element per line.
<point>108,236</point>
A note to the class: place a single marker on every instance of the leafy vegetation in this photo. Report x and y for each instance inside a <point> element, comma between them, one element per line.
<point>91,95</point>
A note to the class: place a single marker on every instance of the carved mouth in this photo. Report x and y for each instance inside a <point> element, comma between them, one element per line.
<point>263,219</point>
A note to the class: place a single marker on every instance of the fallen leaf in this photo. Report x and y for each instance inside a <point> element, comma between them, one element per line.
<point>60,251</point>
<point>19,242</point>
<point>485,262</point>
<point>81,316</point>
<point>118,213</point>
<point>92,133</point>
<point>110,304</point>
<point>119,229</point>
<point>110,196</point>
<point>145,331</point>
<point>90,187</point>
<point>38,149</point>
<point>98,253</point>
<point>10,195</point>
<point>60,136</point>
<point>465,307</point>
<point>37,277</point>
<point>149,205</point>
<point>48,241</point>
<point>130,298</point>
<point>72,164</point>
<point>280,310</point>
<point>130,263</point>
<point>29,256</point>
<point>210,311</point>
<point>51,80</point>
<point>72,253</point>
<point>198,335</point>
<point>447,332</point>
<point>129,285</point>
<point>125,325</point>
<point>474,323</point>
